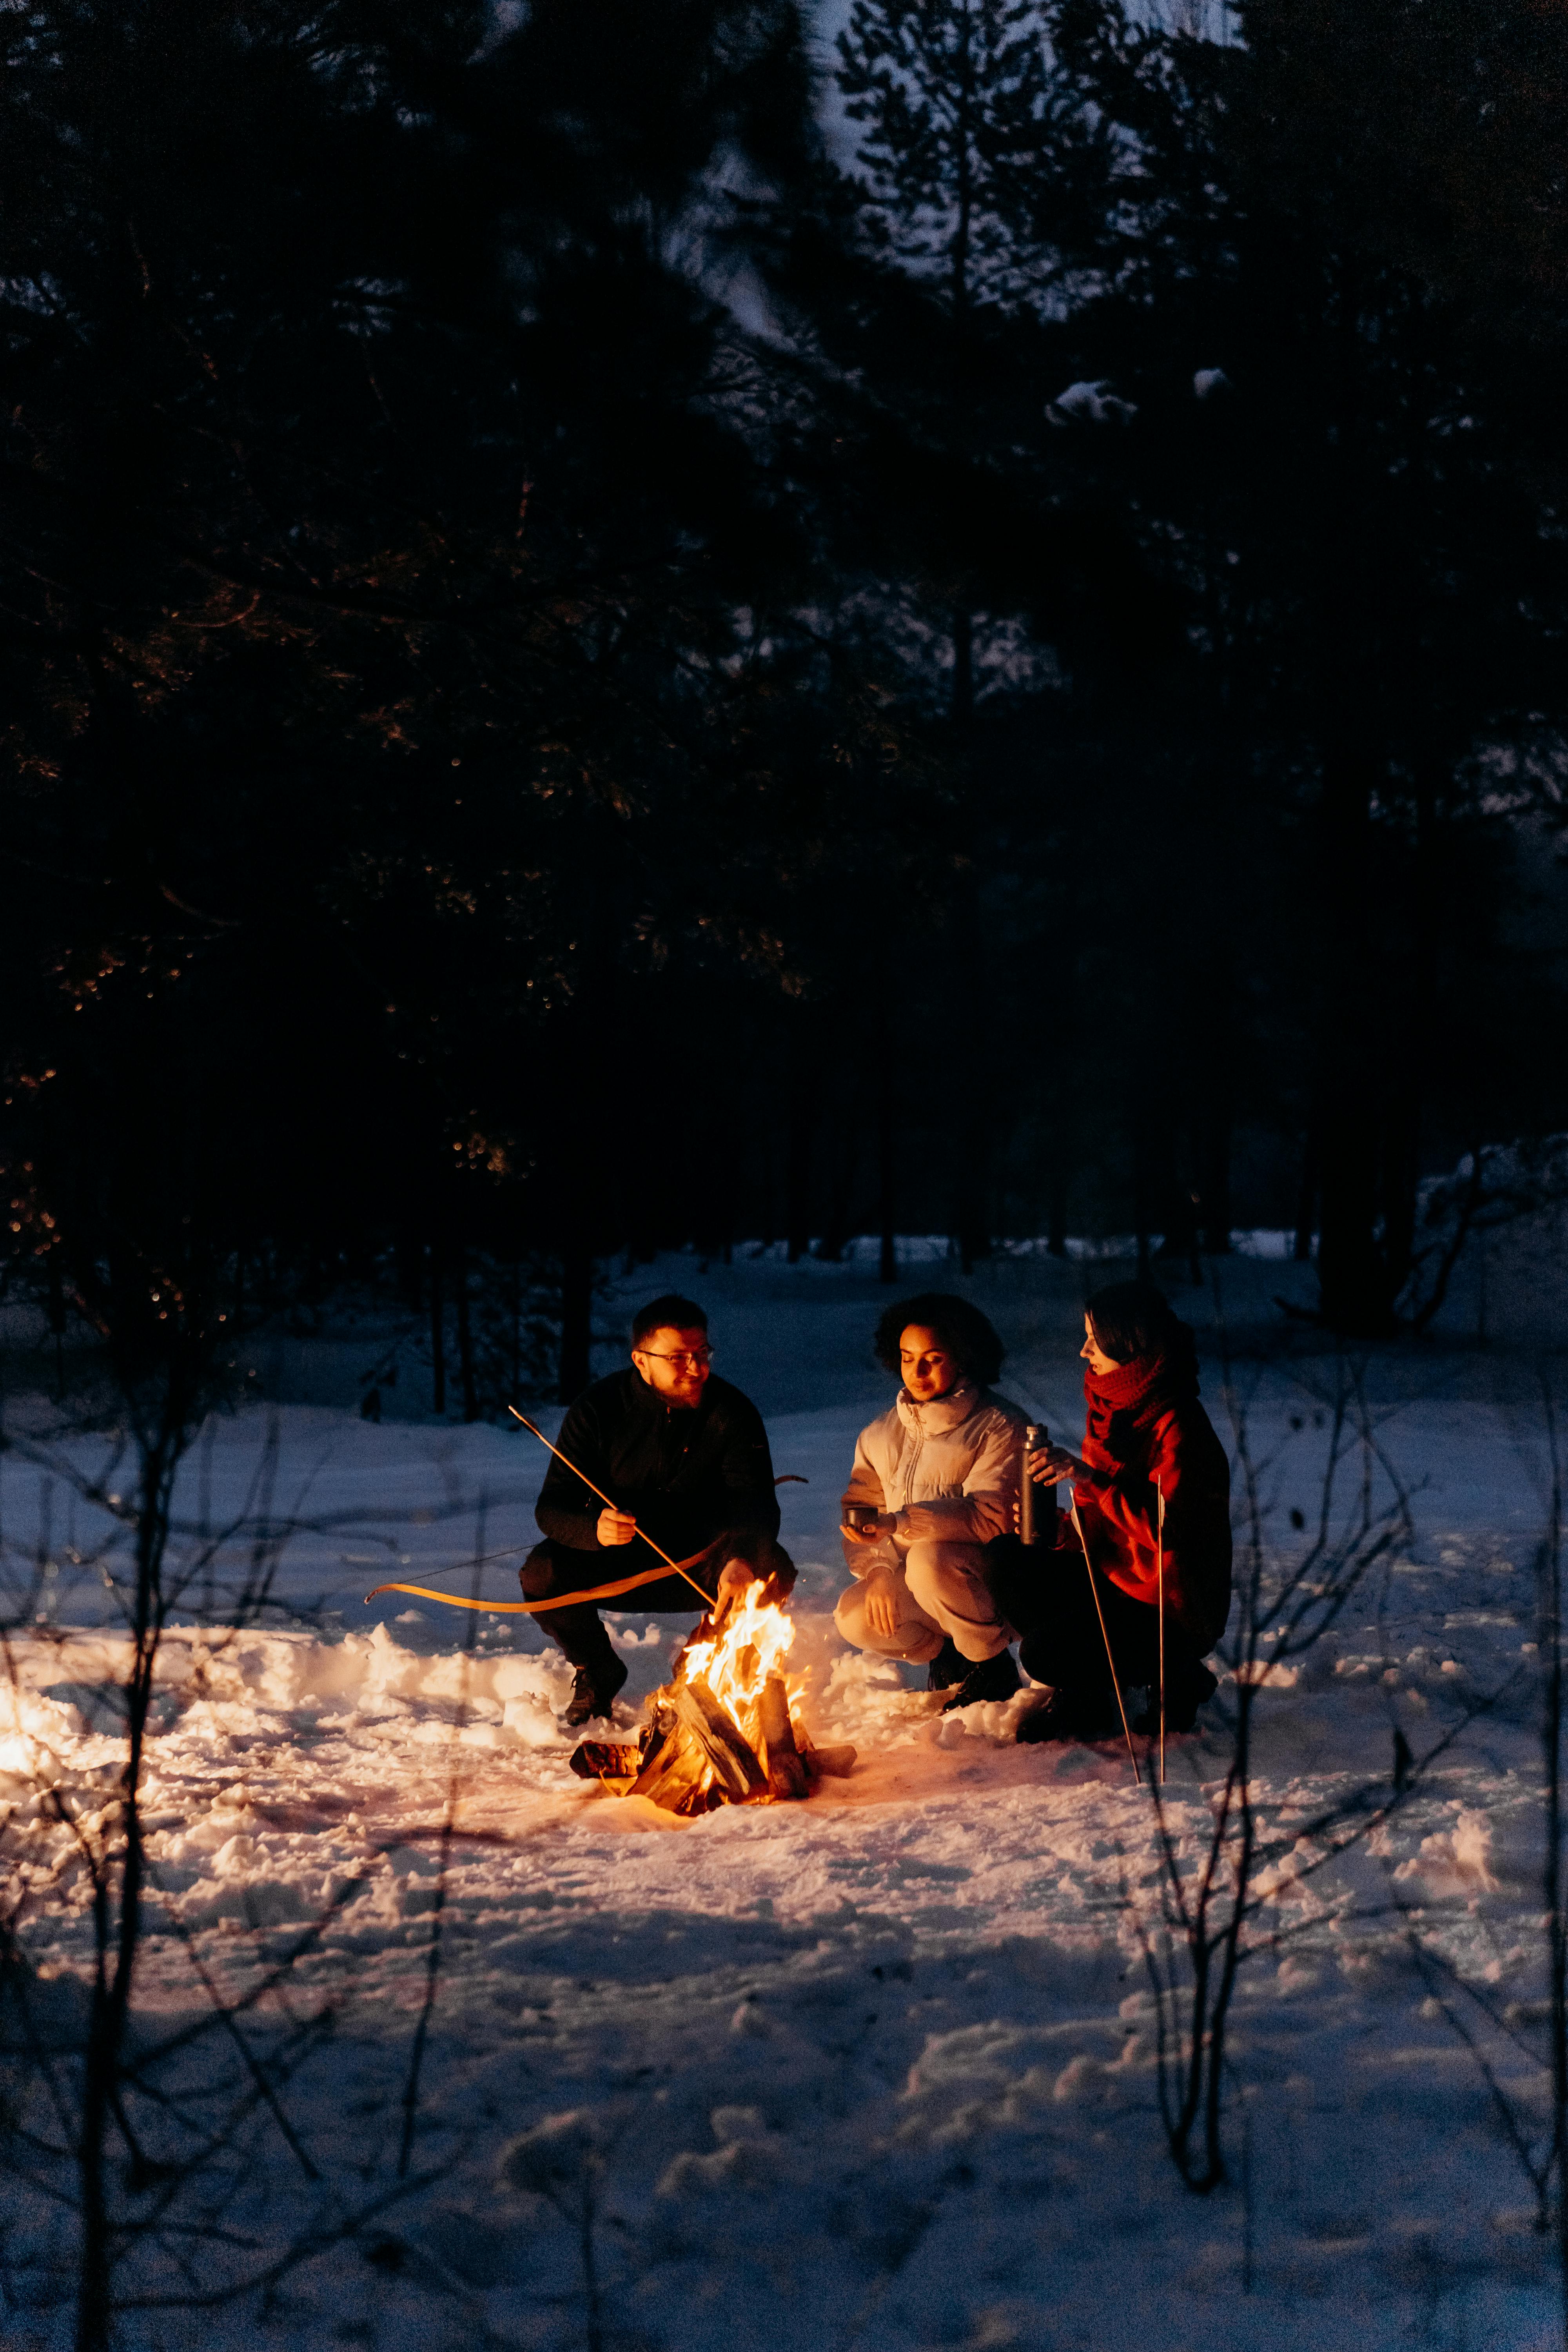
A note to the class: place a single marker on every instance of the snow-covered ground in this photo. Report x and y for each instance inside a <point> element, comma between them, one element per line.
<point>874,2072</point>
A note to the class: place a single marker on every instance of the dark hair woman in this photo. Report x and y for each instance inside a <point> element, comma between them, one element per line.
<point>966,1335</point>
<point>935,1482</point>
<point>1147,1443</point>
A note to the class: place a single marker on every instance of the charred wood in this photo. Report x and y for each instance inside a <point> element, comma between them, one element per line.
<point>735,1767</point>
<point>786,1773</point>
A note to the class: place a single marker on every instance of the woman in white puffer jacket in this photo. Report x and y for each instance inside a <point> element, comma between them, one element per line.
<point>935,1479</point>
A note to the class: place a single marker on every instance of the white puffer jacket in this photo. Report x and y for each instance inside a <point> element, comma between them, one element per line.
<point>948,1470</point>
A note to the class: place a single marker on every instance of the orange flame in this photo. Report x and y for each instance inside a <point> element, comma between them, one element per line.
<point>750,1645</point>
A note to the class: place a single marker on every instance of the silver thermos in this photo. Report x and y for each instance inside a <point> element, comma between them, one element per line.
<point>1034,1438</point>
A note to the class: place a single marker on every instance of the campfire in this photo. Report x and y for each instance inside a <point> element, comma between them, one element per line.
<point>721,1732</point>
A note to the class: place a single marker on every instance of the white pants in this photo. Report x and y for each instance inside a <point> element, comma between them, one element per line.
<point>938,1589</point>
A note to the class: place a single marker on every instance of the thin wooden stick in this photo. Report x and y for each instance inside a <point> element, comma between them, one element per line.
<point>1160,1572</point>
<point>705,1598</point>
<point>1105,1637</point>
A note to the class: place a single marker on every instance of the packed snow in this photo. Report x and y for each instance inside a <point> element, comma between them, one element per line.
<point>870,2073</point>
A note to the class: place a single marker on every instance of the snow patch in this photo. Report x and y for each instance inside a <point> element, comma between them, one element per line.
<point>1455,1861</point>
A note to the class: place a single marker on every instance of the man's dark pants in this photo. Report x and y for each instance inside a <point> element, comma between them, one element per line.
<point>552,1568</point>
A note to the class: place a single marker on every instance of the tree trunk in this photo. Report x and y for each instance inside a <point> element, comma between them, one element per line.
<point>802,1115</point>
<point>438,1336</point>
<point>576,1313</point>
<point>845,1131</point>
<point>1217,1210</point>
<point>118,1942</point>
<point>1402,1162</point>
<point>577,1316</point>
<point>94,2317</point>
<point>1353,1272</point>
<point>888,1250</point>
<point>57,1322</point>
<point>1216,1008</point>
<point>974,1239</point>
<point>770,1174</point>
<point>410,1268</point>
<point>465,1334</point>
<point>971,1141</point>
<point>727,1164</point>
<point>1307,1196</point>
<point>514,1284</point>
<point>1180,1227</point>
<point>1057,1203</point>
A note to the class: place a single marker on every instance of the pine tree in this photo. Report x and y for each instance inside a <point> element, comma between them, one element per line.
<point>980,174</point>
<point>977,176</point>
<point>1357,509</point>
<point>387,509</point>
<point>980,164</point>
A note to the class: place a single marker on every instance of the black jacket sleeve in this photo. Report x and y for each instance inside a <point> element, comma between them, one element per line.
<point>747,1470</point>
<point>566,1512</point>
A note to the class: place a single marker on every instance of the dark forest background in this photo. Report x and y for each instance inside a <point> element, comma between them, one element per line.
<point>582,672</point>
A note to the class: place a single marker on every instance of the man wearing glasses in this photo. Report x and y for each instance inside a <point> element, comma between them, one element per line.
<point>684,1458</point>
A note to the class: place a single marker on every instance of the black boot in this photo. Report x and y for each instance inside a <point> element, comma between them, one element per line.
<point>578,1630</point>
<point>594,1692</point>
<point>995,1678</point>
<point>1086,1715</point>
<point>1186,1688</point>
<point>949,1667</point>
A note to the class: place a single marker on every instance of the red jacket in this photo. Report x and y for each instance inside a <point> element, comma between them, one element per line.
<point>1145,1429</point>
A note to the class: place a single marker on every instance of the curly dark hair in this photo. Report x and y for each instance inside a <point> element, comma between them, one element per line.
<point>969,1337</point>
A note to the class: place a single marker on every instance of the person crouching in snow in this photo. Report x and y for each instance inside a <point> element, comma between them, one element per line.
<point>1146,1435</point>
<point>684,1460</point>
<point>935,1480</point>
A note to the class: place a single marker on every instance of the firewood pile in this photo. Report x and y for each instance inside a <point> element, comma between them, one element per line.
<point>720,1732</point>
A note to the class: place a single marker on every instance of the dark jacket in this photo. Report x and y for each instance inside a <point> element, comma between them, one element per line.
<point>689,1475</point>
<point>1147,1434</point>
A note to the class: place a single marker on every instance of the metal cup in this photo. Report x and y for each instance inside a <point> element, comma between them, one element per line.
<point>860,1515</point>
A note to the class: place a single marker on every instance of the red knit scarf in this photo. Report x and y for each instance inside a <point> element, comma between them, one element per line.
<point>1143,1388</point>
<point>1128,1385</point>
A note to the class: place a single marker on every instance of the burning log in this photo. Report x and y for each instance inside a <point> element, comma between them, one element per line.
<point>605,1759</point>
<point>675,1770</point>
<point>733,1764</point>
<point>836,1763</point>
<point>786,1773</point>
<point>721,1731</point>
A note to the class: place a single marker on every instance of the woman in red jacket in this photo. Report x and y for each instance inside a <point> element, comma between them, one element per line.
<point>1146,1436</point>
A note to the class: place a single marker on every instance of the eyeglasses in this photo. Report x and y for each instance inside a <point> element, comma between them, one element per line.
<point>696,1360</point>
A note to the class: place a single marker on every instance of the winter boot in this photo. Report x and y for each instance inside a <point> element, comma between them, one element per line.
<point>995,1678</point>
<point>949,1667</point>
<point>594,1692</point>
<point>1186,1688</point>
<point>1085,1715</point>
<point>578,1630</point>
